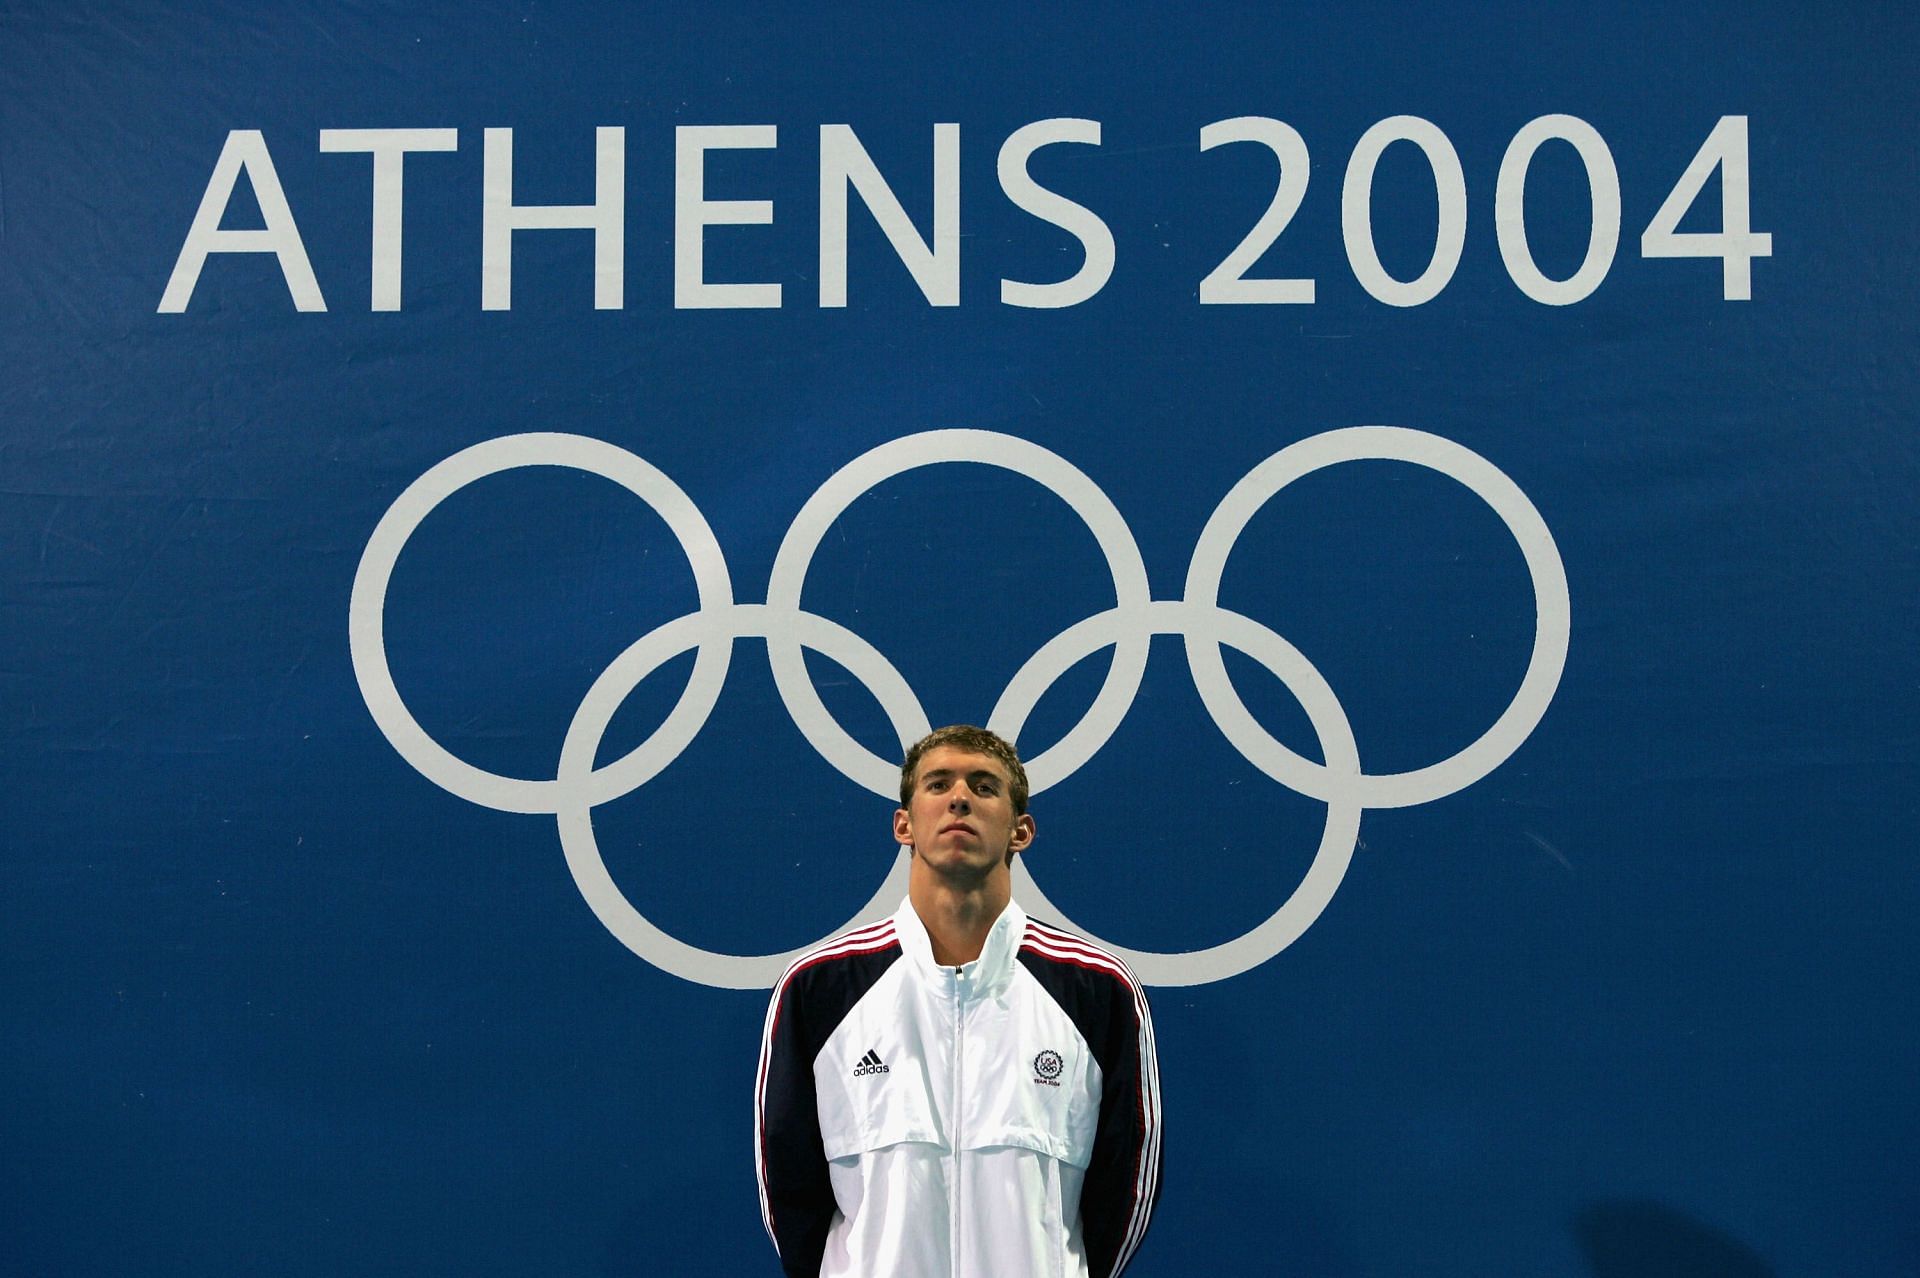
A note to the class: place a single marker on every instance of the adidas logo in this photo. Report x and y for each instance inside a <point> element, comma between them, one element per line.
<point>869,1064</point>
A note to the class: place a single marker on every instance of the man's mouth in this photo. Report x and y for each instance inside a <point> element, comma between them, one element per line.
<point>959,825</point>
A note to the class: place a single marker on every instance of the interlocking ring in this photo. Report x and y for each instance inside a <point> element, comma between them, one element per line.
<point>1128,627</point>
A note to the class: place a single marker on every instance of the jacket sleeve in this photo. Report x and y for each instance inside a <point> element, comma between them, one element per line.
<point>796,1196</point>
<point>1123,1178</point>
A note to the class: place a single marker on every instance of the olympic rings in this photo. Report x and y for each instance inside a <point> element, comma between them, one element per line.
<point>578,786</point>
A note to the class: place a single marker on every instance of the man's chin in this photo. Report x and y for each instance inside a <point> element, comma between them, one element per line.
<point>967,868</point>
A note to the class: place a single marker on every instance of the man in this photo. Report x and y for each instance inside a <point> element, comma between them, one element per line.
<point>958,1091</point>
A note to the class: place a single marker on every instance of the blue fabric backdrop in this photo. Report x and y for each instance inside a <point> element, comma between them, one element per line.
<point>1634,998</point>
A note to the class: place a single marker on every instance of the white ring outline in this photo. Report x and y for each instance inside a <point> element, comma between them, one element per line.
<point>1552,612</point>
<point>1337,840</point>
<point>366,617</point>
<point>575,814</point>
<point>862,475</point>
<point>578,786</point>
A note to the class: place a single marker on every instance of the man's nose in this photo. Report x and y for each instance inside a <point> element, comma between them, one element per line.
<point>960,799</point>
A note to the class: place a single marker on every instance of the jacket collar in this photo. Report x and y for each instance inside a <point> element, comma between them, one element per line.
<point>987,974</point>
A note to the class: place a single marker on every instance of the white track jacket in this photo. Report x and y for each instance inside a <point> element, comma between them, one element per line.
<point>998,1120</point>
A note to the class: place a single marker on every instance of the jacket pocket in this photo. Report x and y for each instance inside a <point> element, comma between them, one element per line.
<point>1048,1107</point>
<point>869,1112</point>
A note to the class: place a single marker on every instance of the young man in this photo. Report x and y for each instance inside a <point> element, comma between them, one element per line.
<point>958,1091</point>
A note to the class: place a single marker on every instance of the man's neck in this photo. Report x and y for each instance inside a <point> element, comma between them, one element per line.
<point>958,918</point>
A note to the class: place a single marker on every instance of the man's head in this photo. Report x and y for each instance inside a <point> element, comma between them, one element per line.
<point>963,802</point>
<point>965,736</point>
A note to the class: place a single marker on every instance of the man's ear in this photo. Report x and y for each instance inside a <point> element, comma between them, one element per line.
<point>903,829</point>
<point>1022,835</point>
<point>1023,832</point>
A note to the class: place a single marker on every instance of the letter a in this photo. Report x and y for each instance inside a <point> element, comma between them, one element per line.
<point>245,149</point>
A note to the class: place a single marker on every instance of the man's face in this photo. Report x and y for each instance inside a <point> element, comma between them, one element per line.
<point>960,821</point>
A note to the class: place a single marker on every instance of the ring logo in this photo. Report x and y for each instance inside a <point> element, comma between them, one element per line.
<point>578,786</point>
<point>1046,1068</point>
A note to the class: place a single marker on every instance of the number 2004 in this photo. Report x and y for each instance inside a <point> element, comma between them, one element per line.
<point>1725,149</point>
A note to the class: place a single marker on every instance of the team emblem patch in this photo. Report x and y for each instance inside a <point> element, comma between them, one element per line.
<point>1046,1068</point>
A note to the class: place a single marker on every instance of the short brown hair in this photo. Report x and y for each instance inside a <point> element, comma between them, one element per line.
<point>964,736</point>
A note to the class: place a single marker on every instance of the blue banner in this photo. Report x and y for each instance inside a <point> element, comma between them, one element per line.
<point>490,490</point>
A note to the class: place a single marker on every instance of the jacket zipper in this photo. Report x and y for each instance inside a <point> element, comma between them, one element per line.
<point>959,1092</point>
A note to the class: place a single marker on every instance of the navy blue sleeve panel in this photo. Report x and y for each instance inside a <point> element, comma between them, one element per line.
<point>1109,1009</point>
<point>812,998</point>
